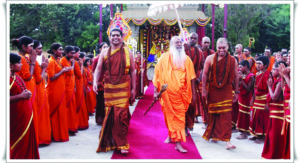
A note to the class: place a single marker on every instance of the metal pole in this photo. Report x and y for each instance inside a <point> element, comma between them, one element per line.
<point>111,11</point>
<point>100,23</point>
<point>225,20</point>
<point>213,28</point>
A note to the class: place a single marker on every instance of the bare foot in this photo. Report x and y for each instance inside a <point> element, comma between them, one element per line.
<point>179,148</point>
<point>124,151</point>
<point>214,141</point>
<point>234,130</point>
<point>242,136</point>
<point>230,146</point>
<point>168,140</point>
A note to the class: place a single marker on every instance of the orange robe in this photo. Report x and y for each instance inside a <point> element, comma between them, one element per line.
<point>23,143</point>
<point>113,134</point>
<point>43,114</point>
<point>81,110</point>
<point>195,55</point>
<point>253,67</point>
<point>70,96</point>
<point>31,86</point>
<point>271,63</point>
<point>220,99</point>
<point>90,94</point>
<point>57,102</point>
<point>175,101</point>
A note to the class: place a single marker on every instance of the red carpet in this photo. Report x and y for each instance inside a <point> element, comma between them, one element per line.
<point>146,134</point>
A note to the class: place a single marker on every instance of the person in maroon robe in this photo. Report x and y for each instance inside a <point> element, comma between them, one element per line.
<point>196,57</point>
<point>100,112</point>
<point>140,69</point>
<point>206,52</point>
<point>116,64</point>
<point>274,142</point>
<point>246,92</point>
<point>23,142</point>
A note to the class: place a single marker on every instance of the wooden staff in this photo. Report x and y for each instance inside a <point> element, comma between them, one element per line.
<point>162,90</point>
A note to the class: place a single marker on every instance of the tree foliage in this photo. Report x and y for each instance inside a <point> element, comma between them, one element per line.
<point>269,24</point>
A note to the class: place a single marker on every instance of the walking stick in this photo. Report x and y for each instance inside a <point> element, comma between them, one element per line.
<point>163,89</point>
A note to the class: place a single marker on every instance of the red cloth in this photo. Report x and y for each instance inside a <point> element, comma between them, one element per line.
<point>139,89</point>
<point>195,55</point>
<point>260,117</point>
<point>244,99</point>
<point>207,53</point>
<point>275,142</point>
<point>21,122</point>
<point>287,138</point>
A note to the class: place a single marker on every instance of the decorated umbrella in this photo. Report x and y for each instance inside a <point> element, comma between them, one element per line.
<point>184,35</point>
<point>156,9</point>
<point>119,22</point>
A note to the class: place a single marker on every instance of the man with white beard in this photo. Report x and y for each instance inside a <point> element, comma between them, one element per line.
<point>177,70</point>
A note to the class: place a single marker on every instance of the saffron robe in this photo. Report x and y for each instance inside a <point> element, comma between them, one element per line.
<point>244,100</point>
<point>70,96</point>
<point>195,55</point>
<point>57,102</point>
<point>175,101</point>
<point>23,143</point>
<point>253,67</point>
<point>44,126</point>
<point>220,101</point>
<point>271,63</point>
<point>31,86</point>
<point>81,110</point>
<point>274,142</point>
<point>260,117</point>
<point>113,134</point>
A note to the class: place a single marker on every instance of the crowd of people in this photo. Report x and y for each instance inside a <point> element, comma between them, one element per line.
<point>231,93</point>
<point>52,98</point>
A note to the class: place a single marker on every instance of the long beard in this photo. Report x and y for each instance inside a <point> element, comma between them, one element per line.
<point>179,57</point>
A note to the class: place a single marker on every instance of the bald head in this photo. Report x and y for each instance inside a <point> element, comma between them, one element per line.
<point>222,46</point>
<point>193,39</point>
<point>205,42</point>
<point>238,48</point>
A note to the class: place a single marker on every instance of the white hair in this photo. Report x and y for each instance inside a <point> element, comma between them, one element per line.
<point>179,55</point>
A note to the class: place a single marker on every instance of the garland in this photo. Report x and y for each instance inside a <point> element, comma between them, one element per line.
<point>216,82</point>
